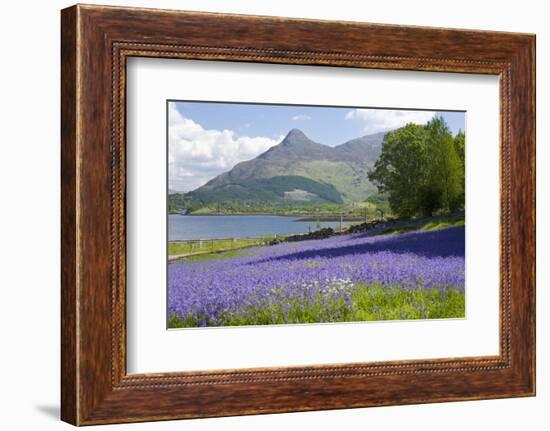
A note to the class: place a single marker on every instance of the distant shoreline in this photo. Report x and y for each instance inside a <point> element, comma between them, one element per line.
<point>299,217</point>
<point>330,218</point>
<point>234,214</point>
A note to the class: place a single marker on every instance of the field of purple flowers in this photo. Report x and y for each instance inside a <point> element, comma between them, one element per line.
<point>414,275</point>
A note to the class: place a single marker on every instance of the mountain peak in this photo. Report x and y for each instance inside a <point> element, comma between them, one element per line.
<point>295,131</point>
<point>293,164</point>
<point>295,136</point>
<point>296,146</point>
<point>367,148</point>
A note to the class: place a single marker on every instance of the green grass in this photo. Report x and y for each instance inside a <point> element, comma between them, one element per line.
<point>368,303</point>
<point>377,303</point>
<point>219,255</point>
<point>399,230</point>
<point>175,248</point>
<point>435,225</point>
<point>428,226</point>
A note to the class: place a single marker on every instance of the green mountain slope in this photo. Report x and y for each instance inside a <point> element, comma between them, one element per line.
<point>298,170</point>
<point>270,190</point>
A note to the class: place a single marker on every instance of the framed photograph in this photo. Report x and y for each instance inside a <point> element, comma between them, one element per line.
<point>263,214</point>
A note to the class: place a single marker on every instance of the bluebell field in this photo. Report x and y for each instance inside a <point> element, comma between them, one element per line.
<point>414,275</point>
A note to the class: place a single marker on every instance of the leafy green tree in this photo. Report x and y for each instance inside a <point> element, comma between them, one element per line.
<point>445,168</point>
<point>401,169</point>
<point>460,147</point>
<point>421,169</point>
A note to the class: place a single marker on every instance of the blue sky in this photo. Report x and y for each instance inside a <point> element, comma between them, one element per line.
<point>206,139</point>
<point>326,125</point>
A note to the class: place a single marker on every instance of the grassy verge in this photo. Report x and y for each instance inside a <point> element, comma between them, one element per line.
<point>218,255</point>
<point>426,225</point>
<point>435,225</point>
<point>367,303</point>
<point>176,248</point>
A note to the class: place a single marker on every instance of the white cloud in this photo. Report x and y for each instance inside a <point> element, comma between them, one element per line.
<point>381,120</point>
<point>301,118</point>
<point>196,155</point>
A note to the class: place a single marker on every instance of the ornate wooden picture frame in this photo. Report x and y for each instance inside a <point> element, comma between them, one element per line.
<point>96,41</point>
